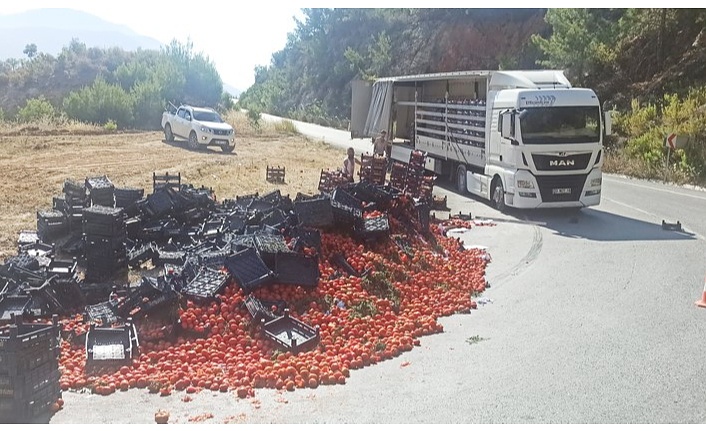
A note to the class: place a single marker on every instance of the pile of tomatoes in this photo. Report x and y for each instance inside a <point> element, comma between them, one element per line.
<point>362,321</point>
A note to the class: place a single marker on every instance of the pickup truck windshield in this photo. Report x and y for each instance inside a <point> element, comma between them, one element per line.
<point>560,125</point>
<point>207,116</point>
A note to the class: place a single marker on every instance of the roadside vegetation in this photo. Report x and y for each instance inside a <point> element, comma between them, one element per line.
<point>648,66</point>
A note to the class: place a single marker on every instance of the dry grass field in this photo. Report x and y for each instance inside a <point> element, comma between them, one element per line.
<point>35,160</point>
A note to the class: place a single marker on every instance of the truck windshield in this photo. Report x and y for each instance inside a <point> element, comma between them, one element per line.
<point>560,125</point>
<point>207,116</point>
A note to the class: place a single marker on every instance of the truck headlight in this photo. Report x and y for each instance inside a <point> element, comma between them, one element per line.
<point>524,184</point>
<point>596,182</point>
<point>206,129</point>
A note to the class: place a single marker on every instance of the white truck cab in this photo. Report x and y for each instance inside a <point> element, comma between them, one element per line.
<point>524,139</point>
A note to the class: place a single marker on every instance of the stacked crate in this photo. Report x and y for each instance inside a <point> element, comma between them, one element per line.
<point>398,175</point>
<point>415,173</point>
<point>427,188</point>
<point>104,234</point>
<point>373,169</point>
<point>127,196</point>
<point>51,224</point>
<point>75,200</point>
<point>101,191</point>
<point>29,370</point>
<point>329,180</point>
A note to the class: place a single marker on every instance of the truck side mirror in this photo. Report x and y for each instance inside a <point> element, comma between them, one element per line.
<point>507,122</point>
<point>608,123</point>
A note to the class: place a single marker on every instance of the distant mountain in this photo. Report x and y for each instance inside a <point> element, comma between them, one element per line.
<point>52,29</point>
<point>232,90</point>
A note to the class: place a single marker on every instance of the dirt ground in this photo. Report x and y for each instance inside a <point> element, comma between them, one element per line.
<point>34,168</point>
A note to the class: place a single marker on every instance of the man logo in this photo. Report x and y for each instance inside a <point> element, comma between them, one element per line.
<point>569,162</point>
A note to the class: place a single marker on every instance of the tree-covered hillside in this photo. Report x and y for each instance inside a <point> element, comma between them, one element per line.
<point>97,85</point>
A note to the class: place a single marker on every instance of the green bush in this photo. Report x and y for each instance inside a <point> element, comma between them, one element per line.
<point>110,126</point>
<point>254,117</point>
<point>100,103</point>
<point>646,126</point>
<point>36,109</point>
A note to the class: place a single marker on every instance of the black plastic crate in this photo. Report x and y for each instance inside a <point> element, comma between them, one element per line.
<point>297,269</point>
<point>13,305</point>
<point>292,334</point>
<point>99,183</point>
<point>140,254</point>
<point>372,227</point>
<point>214,258</point>
<point>207,283</point>
<point>111,345</point>
<point>104,313</point>
<point>170,257</point>
<point>74,189</point>
<point>159,202</point>
<point>258,311</point>
<point>249,270</point>
<point>316,212</point>
<point>25,385</point>
<point>27,237</point>
<point>37,250</point>
<point>26,410</point>
<point>24,261</point>
<point>28,338</point>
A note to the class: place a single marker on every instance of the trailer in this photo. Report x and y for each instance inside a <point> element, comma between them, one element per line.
<point>523,139</point>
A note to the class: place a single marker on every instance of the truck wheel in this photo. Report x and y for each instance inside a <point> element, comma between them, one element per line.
<point>498,195</point>
<point>227,148</point>
<point>168,135</point>
<point>461,179</point>
<point>193,141</point>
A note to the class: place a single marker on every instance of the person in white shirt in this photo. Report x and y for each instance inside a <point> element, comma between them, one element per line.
<point>349,164</point>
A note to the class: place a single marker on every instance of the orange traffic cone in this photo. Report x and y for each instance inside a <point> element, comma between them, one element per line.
<point>702,302</point>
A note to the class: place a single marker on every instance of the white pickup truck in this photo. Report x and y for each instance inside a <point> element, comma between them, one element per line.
<point>200,126</point>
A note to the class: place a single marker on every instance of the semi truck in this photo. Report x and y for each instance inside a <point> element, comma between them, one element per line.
<point>522,139</point>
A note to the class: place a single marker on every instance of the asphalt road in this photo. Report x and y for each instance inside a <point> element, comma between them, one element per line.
<point>592,320</point>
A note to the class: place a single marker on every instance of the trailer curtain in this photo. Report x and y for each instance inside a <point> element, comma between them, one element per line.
<point>380,107</point>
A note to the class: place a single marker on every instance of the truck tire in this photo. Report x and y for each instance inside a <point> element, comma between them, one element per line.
<point>227,148</point>
<point>168,135</point>
<point>497,197</point>
<point>461,180</point>
<point>193,141</point>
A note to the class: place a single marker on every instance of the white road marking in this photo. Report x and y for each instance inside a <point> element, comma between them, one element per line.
<point>672,192</point>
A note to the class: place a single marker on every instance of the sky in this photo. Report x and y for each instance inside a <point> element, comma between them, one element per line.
<point>236,36</point>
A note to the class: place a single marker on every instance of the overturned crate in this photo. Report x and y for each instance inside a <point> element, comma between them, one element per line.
<point>291,334</point>
<point>249,270</point>
<point>111,345</point>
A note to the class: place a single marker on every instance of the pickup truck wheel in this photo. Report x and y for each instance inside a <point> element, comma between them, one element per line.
<point>227,148</point>
<point>498,196</point>
<point>168,135</point>
<point>193,141</point>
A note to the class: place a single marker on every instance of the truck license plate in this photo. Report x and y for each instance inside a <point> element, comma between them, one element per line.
<point>221,141</point>
<point>565,191</point>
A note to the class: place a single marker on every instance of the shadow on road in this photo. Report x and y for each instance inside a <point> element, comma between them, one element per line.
<point>587,223</point>
<point>597,225</point>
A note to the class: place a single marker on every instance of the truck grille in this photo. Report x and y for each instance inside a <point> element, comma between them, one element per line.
<point>576,162</point>
<point>220,132</point>
<point>561,188</point>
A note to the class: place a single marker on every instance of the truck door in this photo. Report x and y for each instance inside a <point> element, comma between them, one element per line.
<point>361,95</point>
<point>182,124</point>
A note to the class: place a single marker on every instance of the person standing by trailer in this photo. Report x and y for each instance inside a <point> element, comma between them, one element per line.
<point>349,164</point>
<point>380,144</point>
